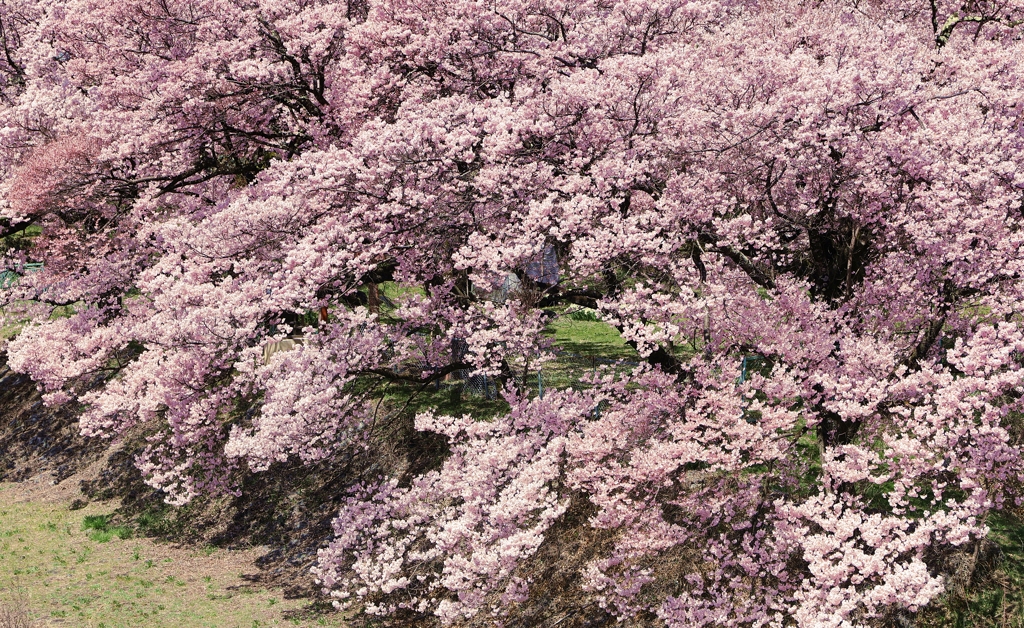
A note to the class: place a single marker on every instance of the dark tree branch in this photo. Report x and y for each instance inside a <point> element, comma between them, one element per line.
<point>913,359</point>
<point>934,330</point>
<point>577,296</point>
<point>757,275</point>
<point>8,229</point>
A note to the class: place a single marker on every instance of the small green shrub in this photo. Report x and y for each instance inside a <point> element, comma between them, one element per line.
<point>584,314</point>
<point>101,531</point>
<point>96,522</point>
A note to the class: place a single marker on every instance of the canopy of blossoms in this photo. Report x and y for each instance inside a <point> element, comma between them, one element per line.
<point>833,186</point>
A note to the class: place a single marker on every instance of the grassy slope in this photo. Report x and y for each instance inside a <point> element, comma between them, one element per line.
<point>70,576</point>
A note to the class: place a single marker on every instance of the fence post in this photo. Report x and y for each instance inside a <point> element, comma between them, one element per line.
<point>540,383</point>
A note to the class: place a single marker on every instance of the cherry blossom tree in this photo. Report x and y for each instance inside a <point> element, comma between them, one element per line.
<point>833,190</point>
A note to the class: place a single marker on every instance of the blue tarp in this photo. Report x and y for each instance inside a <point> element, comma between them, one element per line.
<point>544,268</point>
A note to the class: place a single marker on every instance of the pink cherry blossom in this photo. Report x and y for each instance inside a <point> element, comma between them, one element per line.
<point>806,218</point>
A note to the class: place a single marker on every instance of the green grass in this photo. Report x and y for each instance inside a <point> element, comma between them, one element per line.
<point>12,320</point>
<point>398,292</point>
<point>590,338</point>
<point>997,601</point>
<point>100,530</point>
<point>11,330</point>
<point>73,568</point>
<point>584,347</point>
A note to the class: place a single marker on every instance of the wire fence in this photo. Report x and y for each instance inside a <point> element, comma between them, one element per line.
<point>568,370</point>
<point>9,277</point>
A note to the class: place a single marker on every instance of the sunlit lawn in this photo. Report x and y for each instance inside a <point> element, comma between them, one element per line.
<point>91,577</point>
